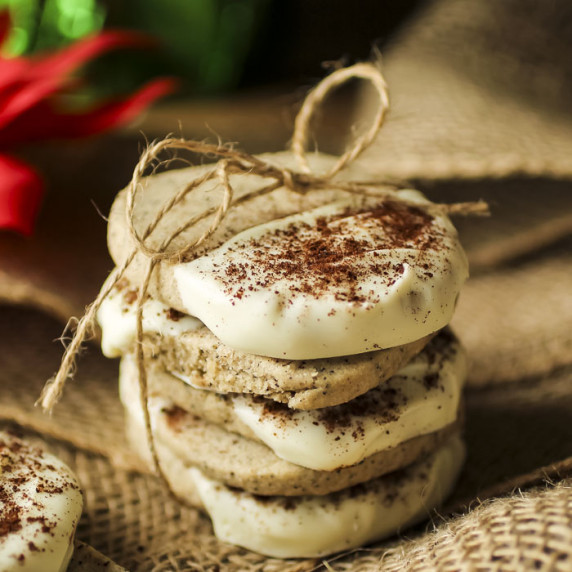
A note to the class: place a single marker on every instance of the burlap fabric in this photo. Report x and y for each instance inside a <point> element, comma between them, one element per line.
<point>479,91</point>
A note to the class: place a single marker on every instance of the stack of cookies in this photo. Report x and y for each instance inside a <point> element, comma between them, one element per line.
<point>304,388</point>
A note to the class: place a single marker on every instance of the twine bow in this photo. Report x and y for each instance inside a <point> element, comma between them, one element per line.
<point>231,162</point>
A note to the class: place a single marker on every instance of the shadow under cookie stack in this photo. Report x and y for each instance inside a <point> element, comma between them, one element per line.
<point>303,387</point>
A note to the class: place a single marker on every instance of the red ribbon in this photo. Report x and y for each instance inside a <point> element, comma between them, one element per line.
<point>30,110</point>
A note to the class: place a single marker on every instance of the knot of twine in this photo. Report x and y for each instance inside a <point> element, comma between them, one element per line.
<point>230,162</point>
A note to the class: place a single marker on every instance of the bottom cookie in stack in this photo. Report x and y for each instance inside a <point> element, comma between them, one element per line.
<point>293,483</point>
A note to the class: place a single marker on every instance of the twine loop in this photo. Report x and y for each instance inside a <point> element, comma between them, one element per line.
<point>233,162</point>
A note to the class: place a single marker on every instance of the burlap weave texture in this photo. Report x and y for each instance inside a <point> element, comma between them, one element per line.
<point>480,93</point>
<point>514,427</point>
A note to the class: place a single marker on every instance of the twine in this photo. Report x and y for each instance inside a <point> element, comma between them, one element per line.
<point>231,162</point>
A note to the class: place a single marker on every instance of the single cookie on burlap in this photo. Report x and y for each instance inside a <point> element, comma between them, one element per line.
<point>40,506</point>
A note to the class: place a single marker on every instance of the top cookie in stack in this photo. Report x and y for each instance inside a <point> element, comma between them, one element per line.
<point>298,388</point>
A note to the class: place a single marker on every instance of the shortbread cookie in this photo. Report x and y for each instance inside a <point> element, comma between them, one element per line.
<point>252,466</point>
<point>421,398</point>
<point>157,189</point>
<point>355,275</point>
<point>312,526</point>
<point>40,506</point>
<point>182,345</point>
<point>201,361</point>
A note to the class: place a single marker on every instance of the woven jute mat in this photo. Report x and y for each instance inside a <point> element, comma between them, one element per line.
<point>480,93</point>
<point>479,88</point>
<point>518,431</point>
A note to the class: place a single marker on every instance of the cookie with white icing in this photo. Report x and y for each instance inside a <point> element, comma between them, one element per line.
<point>421,398</point>
<point>354,275</point>
<point>157,189</point>
<point>183,346</point>
<point>249,465</point>
<point>312,526</point>
<point>269,449</point>
<point>40,506</point>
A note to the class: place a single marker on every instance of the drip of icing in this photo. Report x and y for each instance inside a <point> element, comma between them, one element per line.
<point>117,317</point>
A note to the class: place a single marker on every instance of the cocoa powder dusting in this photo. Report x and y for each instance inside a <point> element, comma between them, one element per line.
<point>331,256</point>
<point>23,465</point>
<point>10,516</point>
<point>174,315</point>
<point>383,404</point>
<point>431,380</point>
<point>130,296</point>
<point>280,413</point>
<point>437,351</point>
<point>121,284</point>
<point>177,418</point>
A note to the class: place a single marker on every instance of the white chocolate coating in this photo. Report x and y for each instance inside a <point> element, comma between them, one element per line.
<point>421,398</point>
<point>117,318</point>
<point>315,526</point>
<point>331,281</point>
<point>40,506</point>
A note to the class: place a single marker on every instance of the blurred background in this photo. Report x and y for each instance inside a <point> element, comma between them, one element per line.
<point>214,46</point>
<point>480,109</point>
<point>480,94</point>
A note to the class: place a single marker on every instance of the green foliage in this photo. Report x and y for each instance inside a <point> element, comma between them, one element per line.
<point>39,25</point>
